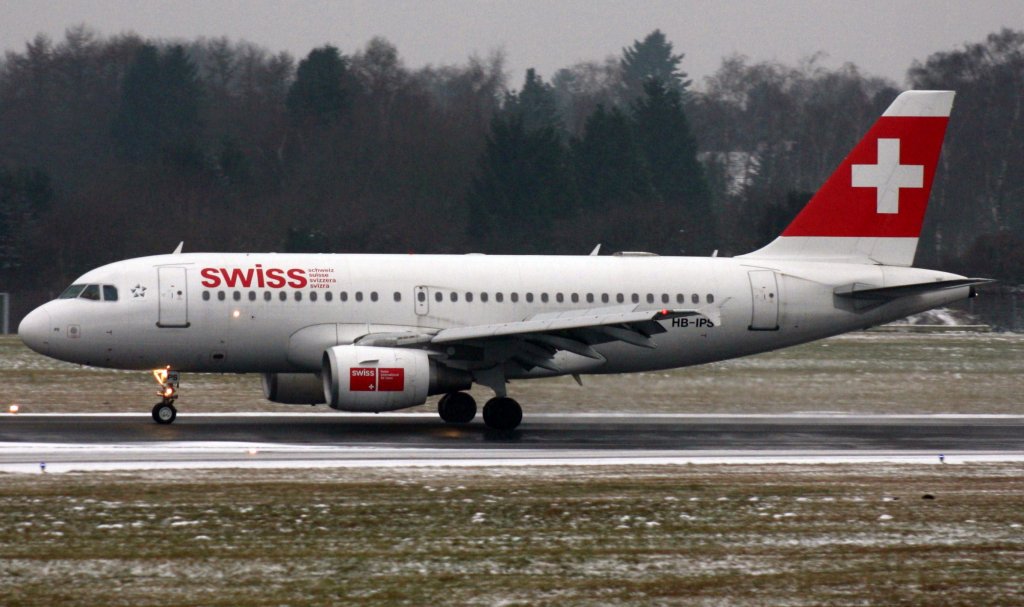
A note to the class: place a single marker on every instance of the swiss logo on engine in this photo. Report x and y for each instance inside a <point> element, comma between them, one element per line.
<point>362,379</point>
<point>391,380</point>
<point>369,379</point>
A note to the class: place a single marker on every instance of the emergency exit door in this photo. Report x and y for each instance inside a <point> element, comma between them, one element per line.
<point>765,293</point>
<point>173,297</point>
<point>422,299</point>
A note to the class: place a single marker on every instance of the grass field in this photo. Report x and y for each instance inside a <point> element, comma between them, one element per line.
<point>677,535</point>
<point>856,373</point>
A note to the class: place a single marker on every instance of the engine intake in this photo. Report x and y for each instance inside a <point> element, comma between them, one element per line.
<point>371,379</point>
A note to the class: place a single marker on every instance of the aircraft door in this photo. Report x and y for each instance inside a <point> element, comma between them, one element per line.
<point>765,293</point>
<point>422,300</point>
<point>173,297</point>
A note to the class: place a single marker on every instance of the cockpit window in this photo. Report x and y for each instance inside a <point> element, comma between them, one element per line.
<point>71,292</point>
<point>109,293</point>
<point>91,292</point>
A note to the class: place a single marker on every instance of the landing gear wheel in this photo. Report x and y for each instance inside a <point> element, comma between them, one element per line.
<point>457,408</point>
<point>502,413</point>
<point>164,413</point>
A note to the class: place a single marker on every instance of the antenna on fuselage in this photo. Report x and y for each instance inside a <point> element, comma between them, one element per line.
<point>177,250</point>
<point>596,250</point>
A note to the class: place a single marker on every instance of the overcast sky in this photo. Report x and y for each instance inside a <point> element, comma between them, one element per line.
<point>882,37</point>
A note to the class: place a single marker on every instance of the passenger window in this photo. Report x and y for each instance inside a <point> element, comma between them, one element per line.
<point>206,296</point>
<point>72,292</point>
<point>499,297</point>
<point>575,298</point>
<point>312,296</point>
<point>298,296</point>
<point>252,295</point>
<point>695,298</point>
<point>544,297</point>
<point>559,297</point>
<point>483,297</point>
<point>711,298</point>
<point>237,296</point>
<point>283,296</point>
<point>359,296</point>
<point>267,295</point>
<point>680,298</point>
<point>604,298</point>
<point>454,296</point>
<point>529,298</point>
<point>373,296</point>
<point>220,295</point>
<point>620,298</point>
<point>109,293</point>
<point>328,296</point>
<point>469,297</point>
<point>344,296</point>
<point>437,296</point>
<point>91,292</point>
<point>421,296</point>
<point>515,297</point>
<point>636,298</point>
<point>650,298</point>
<point>398,296</point>
<point>590,298</point>
<point>664,298</point>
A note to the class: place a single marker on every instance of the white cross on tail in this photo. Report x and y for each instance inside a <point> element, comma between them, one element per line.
<point>888,176</point>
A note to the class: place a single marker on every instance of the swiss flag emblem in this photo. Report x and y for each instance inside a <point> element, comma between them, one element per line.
<point>881,189</point>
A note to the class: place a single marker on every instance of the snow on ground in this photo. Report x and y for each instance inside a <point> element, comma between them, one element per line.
<point>69,457</point>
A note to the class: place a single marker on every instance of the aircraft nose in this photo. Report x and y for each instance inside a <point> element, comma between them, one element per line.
<point>34,330</point>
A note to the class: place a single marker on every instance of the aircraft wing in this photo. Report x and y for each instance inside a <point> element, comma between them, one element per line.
<point>534,341</point>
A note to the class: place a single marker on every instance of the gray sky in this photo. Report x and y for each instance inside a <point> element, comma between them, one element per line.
<point>882,37</point>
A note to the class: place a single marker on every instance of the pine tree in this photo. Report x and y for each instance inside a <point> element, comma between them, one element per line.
<point>524,184</point>
<point>669,149</point>
<point>610,170</point>
<point>323,88</point>
<point>651,59</point>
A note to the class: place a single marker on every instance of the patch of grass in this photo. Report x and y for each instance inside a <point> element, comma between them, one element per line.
<point>855,373</point>
<point>738,535</point>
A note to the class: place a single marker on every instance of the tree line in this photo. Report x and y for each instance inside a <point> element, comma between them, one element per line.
<point>114,147</point>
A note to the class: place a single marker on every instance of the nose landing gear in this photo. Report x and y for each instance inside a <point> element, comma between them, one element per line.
<point>164,411</point>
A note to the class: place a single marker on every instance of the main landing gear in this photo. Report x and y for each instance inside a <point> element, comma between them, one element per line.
<point>164,411</point>
<point>500,413</point>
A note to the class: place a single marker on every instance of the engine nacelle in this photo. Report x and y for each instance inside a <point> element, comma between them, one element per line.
<point>293,388</point>
<point>368,378</point>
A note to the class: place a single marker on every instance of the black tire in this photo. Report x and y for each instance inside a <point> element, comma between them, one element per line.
<point>164,413</point>
<point>502,413</point>
<point>457,408</point>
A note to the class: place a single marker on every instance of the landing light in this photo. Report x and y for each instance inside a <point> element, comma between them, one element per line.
<point>14,409</point>
<point>236,314</point>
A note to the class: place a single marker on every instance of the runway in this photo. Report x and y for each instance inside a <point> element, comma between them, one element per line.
<point>105,441</point>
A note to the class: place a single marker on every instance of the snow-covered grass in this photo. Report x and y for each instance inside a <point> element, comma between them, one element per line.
<point>680,534</point>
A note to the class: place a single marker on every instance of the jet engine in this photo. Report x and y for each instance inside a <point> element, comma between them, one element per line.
<point>372,379</point>
<point>293,388</point>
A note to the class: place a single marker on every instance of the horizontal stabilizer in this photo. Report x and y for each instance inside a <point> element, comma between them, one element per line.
<point>867,292</point>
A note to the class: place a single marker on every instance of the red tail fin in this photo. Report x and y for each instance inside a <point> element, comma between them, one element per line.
<point>871,209</point>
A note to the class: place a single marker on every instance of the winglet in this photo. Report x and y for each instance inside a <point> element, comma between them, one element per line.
<point>177,250</point>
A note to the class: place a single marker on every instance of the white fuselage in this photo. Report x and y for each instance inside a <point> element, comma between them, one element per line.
<point>183,310</point>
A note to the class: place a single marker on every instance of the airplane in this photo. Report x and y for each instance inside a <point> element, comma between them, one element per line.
<point>373,333</point>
